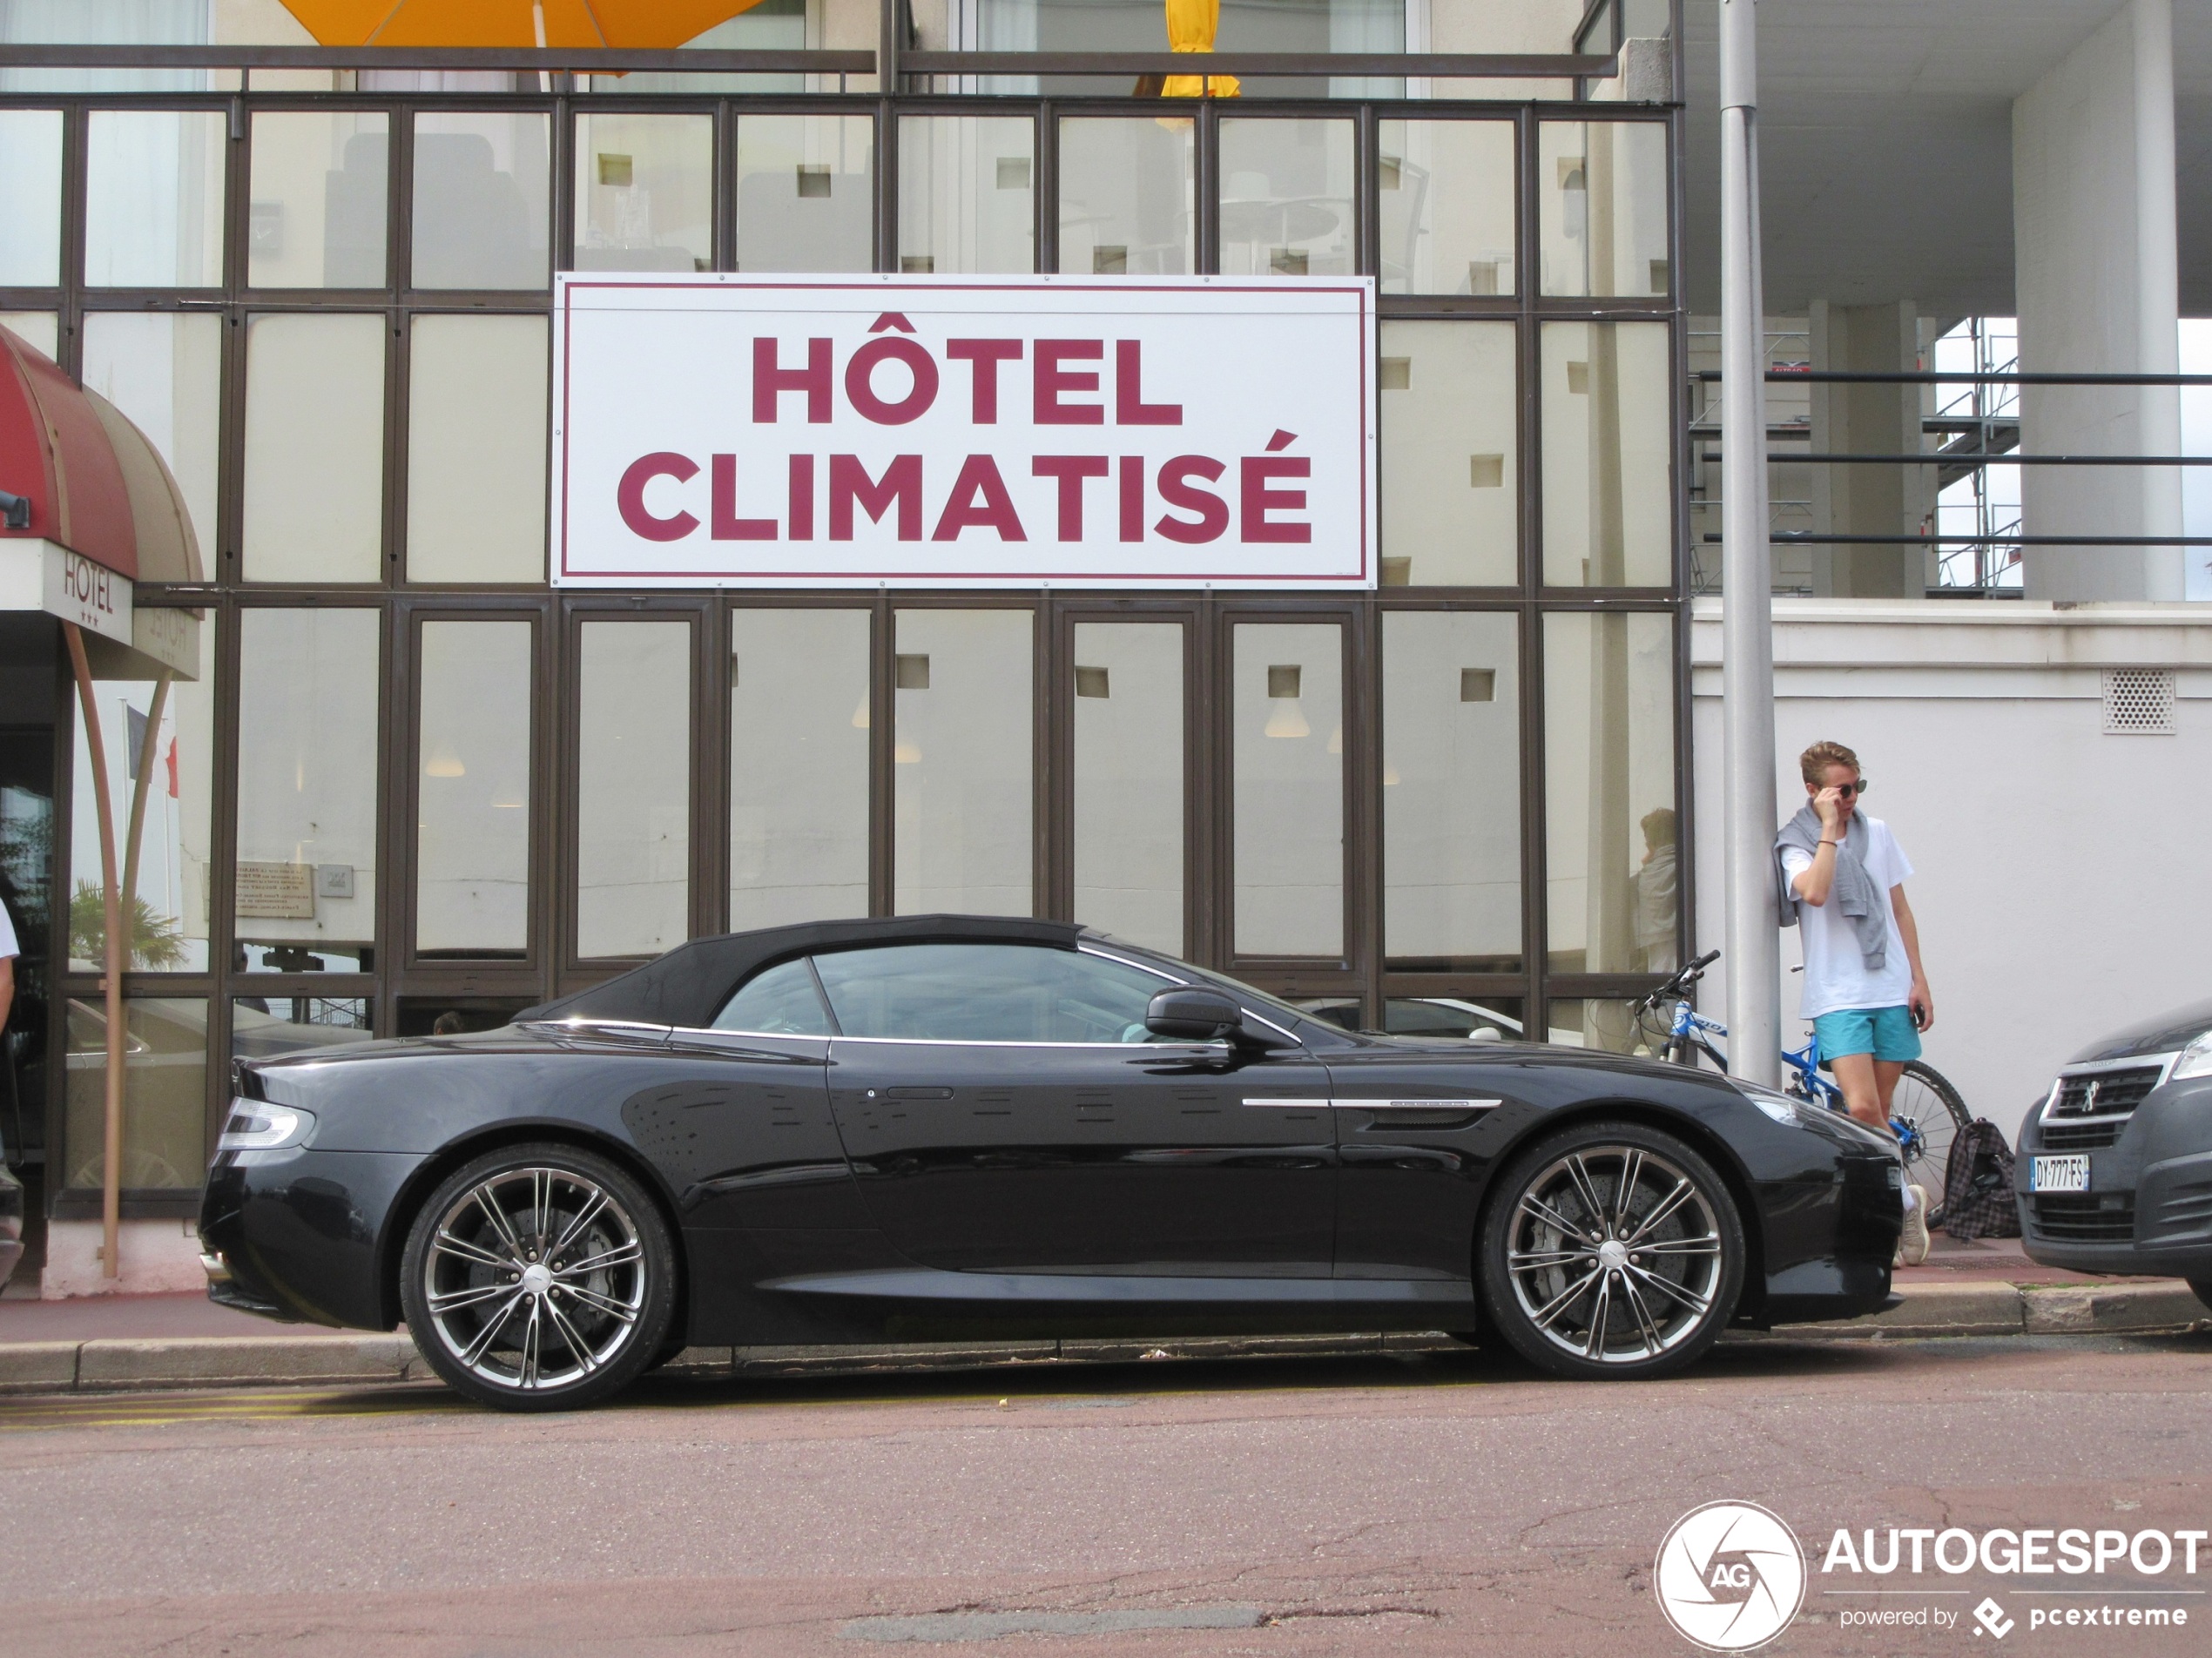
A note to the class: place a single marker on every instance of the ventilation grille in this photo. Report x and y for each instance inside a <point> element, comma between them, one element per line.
<point>2139,702</point>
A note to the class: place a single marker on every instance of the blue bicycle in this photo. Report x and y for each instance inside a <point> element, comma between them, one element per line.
<point>1927,1113</point>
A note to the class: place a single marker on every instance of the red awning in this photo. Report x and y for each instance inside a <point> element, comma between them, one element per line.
<point>95,484</point>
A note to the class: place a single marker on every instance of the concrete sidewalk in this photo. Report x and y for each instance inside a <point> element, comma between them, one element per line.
<point>111,1346</point>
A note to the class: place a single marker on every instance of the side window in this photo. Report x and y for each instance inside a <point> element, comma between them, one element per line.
<point>780,1002</point>
<point>987,993</point>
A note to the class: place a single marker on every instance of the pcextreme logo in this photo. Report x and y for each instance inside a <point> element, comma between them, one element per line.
<point>1730,1576</point>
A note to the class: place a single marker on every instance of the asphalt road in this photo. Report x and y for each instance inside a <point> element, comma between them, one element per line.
<point>1432,1505</point>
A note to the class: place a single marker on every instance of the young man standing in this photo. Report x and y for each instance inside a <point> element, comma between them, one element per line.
<point>1843,883</point>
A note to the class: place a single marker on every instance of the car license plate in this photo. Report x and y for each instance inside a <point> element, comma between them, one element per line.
<point>2059,1174</point>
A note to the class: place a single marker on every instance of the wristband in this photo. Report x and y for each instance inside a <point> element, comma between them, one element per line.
<point>1829,843</point>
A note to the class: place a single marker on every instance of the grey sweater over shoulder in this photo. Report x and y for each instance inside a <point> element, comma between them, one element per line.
<point>1855,893</point>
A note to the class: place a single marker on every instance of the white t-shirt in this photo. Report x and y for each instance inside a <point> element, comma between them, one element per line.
<point>1835,972</point>
<point>8,946</point>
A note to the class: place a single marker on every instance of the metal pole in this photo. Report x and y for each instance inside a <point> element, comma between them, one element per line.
<point>1752,946</point>
<point>115,957</point>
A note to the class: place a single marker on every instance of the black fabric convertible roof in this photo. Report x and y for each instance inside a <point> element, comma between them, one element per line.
<point>689,985</point>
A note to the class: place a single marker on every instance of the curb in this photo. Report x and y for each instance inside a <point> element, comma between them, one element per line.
<point>2139,1306</point>
<point>109,1364</point>
<point>353,1358</point>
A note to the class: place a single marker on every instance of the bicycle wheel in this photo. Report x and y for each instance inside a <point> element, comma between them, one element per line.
<point>1926,1103</point>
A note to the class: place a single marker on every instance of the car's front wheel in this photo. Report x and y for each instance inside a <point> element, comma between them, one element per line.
<point>1610,1249</point>
<point>539,1278</point>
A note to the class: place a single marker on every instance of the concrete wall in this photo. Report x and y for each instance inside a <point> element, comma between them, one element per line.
<point>2061,886</point>
<point>2094,219</point>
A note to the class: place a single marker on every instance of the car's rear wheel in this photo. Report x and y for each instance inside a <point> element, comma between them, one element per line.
<point>539,1278</point>
<point>2201,1289</point>
<point>1610,1249</point>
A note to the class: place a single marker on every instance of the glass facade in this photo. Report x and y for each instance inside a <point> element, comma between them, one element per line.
<point>412,781</point>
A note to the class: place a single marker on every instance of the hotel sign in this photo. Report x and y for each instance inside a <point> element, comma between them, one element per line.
<point>39,575</point>
<point>963,431</point>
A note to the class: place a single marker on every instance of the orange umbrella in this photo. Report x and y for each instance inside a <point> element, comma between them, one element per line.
<point>1191,27</point>
<point>633,25</point>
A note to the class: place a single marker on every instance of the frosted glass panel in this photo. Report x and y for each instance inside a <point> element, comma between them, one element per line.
<point>475,463</point>
<point>1451,792</point>
<point>805,192</point>
<point>964,735</point>
<point>1609,792</point>
<point>1602,191</point>
<point>153,198</point>
<point>164,371</point>
<point>320,197</point>
<point>634,794</point>
<point>1607,438</point>
<point>30,198</point>
<point>1125,196</point>
<point>1129,832</point>
<point>644,193</point>
<point>798,766</point>
<point>480,200</point>
<point>1444,196</point>
<point>309,693</point>
<point>40,329</point>
<point>968,193</point>
<point>1451,485</point>
<point>472,876</point>
<point>314,449</point>
<point>1288,735</point>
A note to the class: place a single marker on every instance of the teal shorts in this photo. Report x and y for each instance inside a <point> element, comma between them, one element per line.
<point>1887,1033</point>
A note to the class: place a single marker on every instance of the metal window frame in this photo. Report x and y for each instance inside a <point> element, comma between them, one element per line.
<point>549,964</point>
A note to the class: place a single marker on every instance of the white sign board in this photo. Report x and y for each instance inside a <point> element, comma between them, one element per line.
<point>963,431</point>
<point>39,575</point>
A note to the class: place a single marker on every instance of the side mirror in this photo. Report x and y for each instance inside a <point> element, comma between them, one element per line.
<point>1193,1014</point>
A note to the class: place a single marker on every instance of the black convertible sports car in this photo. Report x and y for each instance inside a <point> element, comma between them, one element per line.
<point>894,1130</point>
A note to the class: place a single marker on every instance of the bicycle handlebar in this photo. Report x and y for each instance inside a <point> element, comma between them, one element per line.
<point>1682,981</point>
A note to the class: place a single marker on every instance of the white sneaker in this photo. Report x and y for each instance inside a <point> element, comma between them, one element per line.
<point>1912,1246</point>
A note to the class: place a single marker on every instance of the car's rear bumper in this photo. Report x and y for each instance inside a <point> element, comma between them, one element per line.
<point>299,1236</point>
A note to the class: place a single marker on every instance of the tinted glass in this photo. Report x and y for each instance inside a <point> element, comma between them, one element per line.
<point>309,697</point>
<point>164,1093</point>
<point>1451,1019</point>
<point>481,199</point>
<point>1609,856</point>
<point>779,1002</point>
<point>633,858</point>
<point>153,198</point>
<point>31,198</point>
<point>805,192</point>
<point>320,194</point>
<point>987,993</point>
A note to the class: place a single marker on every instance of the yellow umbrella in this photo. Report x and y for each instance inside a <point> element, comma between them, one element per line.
<point>634,25</point>
<point>1191,27</point>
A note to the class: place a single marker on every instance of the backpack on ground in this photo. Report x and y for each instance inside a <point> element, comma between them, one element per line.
<point>1978,1185</point>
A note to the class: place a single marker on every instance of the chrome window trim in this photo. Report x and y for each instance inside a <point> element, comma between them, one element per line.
<point>1000,1042</point>
<point>1337,1102</point>
<point>1083,948</point>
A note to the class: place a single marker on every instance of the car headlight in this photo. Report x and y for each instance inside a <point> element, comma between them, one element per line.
<point>2195,1059</point>
<point>260,1125</point>
<point>1783,1107</point>
<point>1803,1113</point>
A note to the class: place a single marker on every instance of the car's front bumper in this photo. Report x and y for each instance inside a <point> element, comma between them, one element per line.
<point>2149,1208</point>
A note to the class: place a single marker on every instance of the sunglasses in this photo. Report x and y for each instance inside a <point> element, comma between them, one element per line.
<point>1847,789</point>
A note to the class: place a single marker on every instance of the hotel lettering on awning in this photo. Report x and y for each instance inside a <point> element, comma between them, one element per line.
<point>819,432</point>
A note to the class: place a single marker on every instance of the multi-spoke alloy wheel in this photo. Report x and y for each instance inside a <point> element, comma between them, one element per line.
<point>1611,1249</point>
<point>538,1277</point>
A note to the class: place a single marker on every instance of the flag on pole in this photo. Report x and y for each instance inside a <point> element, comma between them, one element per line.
<point>172,768</point>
